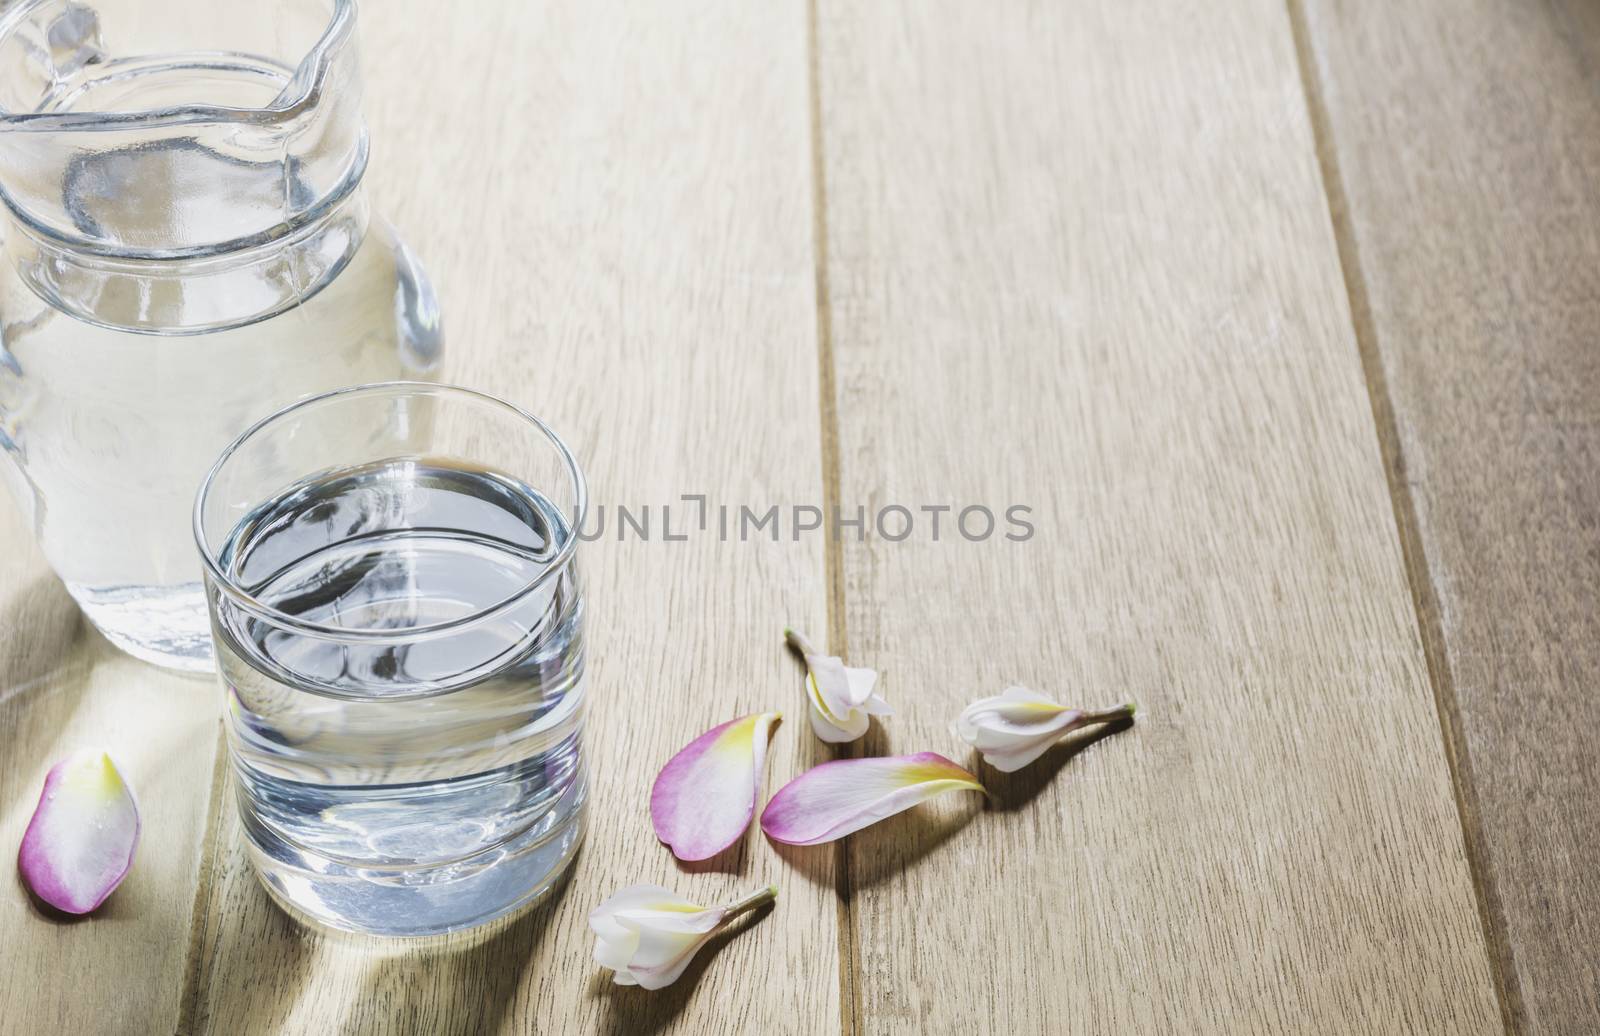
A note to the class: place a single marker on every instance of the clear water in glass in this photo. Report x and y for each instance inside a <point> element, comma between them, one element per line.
<point>418,771</point>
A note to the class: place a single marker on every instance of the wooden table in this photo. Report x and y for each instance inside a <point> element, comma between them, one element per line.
<point>1284,321</point>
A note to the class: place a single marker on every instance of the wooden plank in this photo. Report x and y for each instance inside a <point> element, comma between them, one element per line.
<point>614,202</point>
<point>1079,258</point>
<point>64,688</point>
<point>1463,144</point>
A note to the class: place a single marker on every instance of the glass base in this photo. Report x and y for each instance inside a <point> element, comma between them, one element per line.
<point>413,901</point>
<point>163,625</point>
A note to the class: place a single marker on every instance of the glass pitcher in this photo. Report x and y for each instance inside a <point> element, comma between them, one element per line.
<point>187,248</point>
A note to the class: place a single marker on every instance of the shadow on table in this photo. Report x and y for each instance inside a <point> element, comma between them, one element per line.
<point>484,973</point>
<point>817,864</point>
<point>1013,791</point>
<point>39,694</point>
<point>897,845</point>
<point>632,1011</point>
<point>42,621</point>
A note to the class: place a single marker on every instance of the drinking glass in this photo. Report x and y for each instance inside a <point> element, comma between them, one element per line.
<point>394,598</point>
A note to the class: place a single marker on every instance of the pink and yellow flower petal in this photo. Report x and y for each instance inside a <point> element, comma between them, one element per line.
<point>80,843</point>
<point>835,799</point>
<point>704,798</point>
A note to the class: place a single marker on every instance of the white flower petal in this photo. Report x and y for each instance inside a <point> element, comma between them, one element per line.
<point>648,935</point>
<point>664,951</point>
<point>615,952</point>
<point>1017,726</point>
<point>832,679</point>
<point>830,727</point>
<point>1009,760</point>
<point>876,706</point>
<point>841,697</point>
<point>859,684</point>
<point>615,944</point>
<point>638,897</point>
<point>1018,693</point>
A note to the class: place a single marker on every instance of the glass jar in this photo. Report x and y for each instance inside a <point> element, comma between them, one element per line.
<point>188,246</point>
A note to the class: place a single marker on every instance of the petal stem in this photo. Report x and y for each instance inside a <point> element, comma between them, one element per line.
<point>1111,715</point>
<point>798,641</point>
<point>758,898</point>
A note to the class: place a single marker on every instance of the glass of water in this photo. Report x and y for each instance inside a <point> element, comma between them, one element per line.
<point>398,626</point>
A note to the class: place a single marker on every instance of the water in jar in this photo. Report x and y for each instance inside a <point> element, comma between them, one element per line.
<point>122,378</point>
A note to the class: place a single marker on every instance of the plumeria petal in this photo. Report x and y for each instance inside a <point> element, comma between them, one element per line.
<point>841,697</point>
<point>665,950</point>
<point>704,797</point>
<point>1017,726</point>
<point>80,843</point>
<point>648,935</point>
<point>834,799</point>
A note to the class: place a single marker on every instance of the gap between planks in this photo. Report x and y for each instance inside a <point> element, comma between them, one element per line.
<point>832,549</point>
<point>1424,600</point>
<point>205,881</point>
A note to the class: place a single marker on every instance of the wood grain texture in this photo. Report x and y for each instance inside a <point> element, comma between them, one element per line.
<point>64,688</point>
<point>1079,259</point>
<point>614,203</point>
<point>1463,141</point>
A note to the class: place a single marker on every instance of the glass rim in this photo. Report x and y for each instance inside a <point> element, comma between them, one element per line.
<point>261,610</point>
